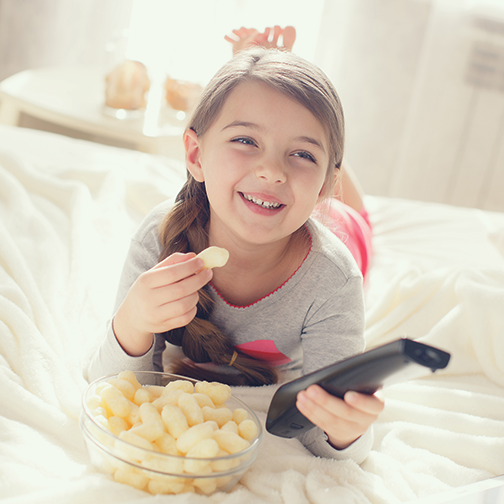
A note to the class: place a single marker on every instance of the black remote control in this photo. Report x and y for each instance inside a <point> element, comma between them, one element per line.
<point>393,362</point>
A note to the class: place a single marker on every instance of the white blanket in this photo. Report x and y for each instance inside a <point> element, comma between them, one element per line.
<point>67,211</point>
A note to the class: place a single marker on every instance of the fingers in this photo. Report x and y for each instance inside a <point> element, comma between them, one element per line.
<point>370,405</point>
<point>166,296</point>
<point>173,269</point>
<point>354,406</point>
<point>168,307</point>
<point>322,408</point>
<point>343,420</point>
<point>161,299</point>
<point>171,288</point>
<point>181,289</point>
<point>177,314</point>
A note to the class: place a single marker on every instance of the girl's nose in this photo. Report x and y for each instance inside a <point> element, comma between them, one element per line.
<point>271,171</point>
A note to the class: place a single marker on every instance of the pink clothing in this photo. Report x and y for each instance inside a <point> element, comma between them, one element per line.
<point>351,227</point>
<point>264,350</point>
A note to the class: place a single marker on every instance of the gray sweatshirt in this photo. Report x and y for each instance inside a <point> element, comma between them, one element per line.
<point>311,321</point>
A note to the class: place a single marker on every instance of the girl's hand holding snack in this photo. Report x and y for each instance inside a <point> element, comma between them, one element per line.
<point>344,421</point>
<point>161,299</point>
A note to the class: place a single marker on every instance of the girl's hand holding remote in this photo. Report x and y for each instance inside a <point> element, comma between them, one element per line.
<point>161,299</point>
<point>344,421</point>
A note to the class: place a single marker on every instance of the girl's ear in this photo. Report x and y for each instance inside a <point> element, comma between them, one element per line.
<point>193,154</point>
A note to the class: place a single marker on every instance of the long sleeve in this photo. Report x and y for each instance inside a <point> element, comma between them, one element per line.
<point>143,255</point>
<point>315,440</point>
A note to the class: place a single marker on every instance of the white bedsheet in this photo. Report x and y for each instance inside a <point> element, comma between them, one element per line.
<point>67,211</point>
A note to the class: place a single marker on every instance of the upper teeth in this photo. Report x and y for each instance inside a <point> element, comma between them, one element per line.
<point>264,204</point>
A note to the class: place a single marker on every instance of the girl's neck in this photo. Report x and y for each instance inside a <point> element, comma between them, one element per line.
<point>254,272</point>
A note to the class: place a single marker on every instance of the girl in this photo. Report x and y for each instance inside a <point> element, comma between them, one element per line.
<point>263,148</point>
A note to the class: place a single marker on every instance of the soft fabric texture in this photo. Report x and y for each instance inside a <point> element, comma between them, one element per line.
<point>68,210</point>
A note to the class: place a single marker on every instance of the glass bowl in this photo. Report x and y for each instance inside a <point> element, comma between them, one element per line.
<point>144,466</point>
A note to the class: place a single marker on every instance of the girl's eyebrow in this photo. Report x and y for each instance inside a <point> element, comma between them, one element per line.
<point>255,126</point>
<point>246,124</point>
<point>312,141</point>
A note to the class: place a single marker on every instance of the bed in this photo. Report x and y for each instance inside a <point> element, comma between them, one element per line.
<point>67,211</point>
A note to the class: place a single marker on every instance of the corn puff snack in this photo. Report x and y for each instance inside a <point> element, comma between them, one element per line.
<point>189,422</point>
<point>214,257</point>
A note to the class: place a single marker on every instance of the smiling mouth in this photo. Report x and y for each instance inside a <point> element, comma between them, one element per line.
<point>259,202</point>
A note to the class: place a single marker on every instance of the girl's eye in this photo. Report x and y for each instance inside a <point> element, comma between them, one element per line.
<point>244,141</point>
<point>305,155</point>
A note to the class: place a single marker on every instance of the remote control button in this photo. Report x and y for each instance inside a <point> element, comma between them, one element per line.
<point>296,426</point>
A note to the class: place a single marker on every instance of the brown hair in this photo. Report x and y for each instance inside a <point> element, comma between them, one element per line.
<point>185,227</point>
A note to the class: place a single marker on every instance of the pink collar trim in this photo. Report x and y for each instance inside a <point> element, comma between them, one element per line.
<point>272,292</point>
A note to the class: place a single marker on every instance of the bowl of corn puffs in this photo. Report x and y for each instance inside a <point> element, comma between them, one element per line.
<point>167,434</point>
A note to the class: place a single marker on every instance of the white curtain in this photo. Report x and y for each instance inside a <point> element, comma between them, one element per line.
<point>422,85</point>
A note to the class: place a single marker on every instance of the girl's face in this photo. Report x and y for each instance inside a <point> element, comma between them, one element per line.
<point>264,162</point>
